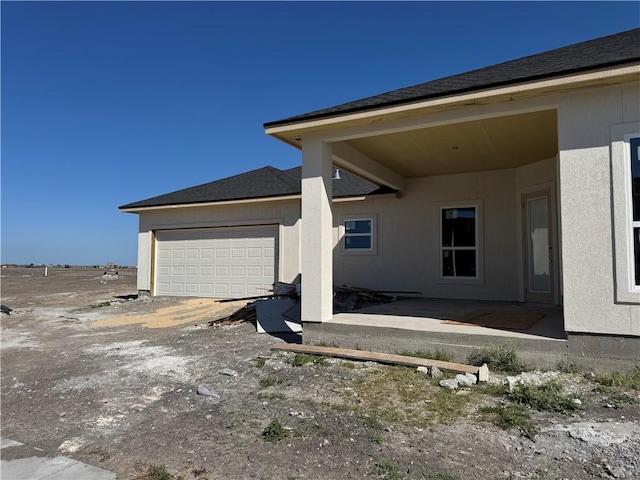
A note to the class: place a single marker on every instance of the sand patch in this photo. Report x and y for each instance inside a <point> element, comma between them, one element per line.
<point>194,310</point>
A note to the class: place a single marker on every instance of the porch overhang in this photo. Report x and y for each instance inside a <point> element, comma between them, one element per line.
<point>291,132</point>
<point>489,129</point>
<point>493,129</point>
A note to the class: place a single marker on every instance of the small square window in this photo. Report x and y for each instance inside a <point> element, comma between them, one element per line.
<point>358,236</point>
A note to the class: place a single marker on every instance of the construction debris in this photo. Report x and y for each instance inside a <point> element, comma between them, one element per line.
<point>266,312</point>
<point>347,299</point>
<point>206,392</point>
<point>245,314</point>
<point>278,310</point>
<point>481,373</point>
<point>271,316</point>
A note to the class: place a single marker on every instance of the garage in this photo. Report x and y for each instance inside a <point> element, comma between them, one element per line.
<point>216,262</point>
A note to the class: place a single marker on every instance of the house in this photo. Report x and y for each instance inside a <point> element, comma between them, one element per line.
<point>518,182</point>
<point>232,237</point>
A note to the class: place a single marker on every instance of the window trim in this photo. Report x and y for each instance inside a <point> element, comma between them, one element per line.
<point>478,204</point>
<point>626,291</point>
<point>634,282</point>
<point>373,250</point>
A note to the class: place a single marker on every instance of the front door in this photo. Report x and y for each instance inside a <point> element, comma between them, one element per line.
<point>538,247</point>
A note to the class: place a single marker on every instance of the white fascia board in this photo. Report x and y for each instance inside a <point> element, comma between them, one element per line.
<point>209,204</point>
<point>231,202</point>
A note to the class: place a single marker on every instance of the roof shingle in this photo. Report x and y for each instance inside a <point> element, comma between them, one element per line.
<point>617,49</point>
<point>266,182</point>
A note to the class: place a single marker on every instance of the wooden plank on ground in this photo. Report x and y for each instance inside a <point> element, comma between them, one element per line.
<point>382,358</point>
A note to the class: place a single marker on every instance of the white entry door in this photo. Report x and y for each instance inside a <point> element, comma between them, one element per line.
<point>216,262</point>
<point>538,247</point>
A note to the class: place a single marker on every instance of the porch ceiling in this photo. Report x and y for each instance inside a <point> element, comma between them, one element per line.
<point>480,145</point>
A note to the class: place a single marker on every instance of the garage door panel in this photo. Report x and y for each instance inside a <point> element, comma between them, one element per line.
<point>192,271</point>
<point>177,271</point>
<point>237,271</point>
<point>230,262</point>
<point>254,271</point>
<point>256,289</point>
<point>222,271</point>
<point>163,271</point>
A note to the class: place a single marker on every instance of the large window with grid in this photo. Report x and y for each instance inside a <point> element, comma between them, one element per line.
<point>634,144</point>
<point>459,246</point>
<point>625,183</point>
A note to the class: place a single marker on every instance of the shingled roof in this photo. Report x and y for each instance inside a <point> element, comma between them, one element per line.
<point>266,182</point>
<point>614,50</point>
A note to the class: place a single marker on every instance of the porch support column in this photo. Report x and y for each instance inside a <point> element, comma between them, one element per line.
<point>317,236</point>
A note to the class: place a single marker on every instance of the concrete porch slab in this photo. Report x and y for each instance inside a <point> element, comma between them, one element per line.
<point>419,324</point>
<point>422,324</point>
<point>430,315</point>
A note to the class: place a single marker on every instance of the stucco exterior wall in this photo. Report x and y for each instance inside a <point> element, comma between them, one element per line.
<point>285,213</point>
<point>407,256</point>
<point>407,233</point>
<point>585,121</point>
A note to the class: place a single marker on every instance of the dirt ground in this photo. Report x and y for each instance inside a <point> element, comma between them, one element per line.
<point>90,371</point>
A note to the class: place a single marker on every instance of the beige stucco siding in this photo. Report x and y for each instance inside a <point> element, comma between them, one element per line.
<point>408,234</point>
<point>585,120</point>
<point>285,213</point>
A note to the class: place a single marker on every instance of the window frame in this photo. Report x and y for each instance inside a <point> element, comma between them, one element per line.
<point>373,234</point>
<point>626,290</point>
<point>634,224</point>
<point>478,279</point>
<point>634,283</point>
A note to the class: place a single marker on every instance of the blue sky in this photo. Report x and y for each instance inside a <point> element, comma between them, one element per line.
<point>106,103</point>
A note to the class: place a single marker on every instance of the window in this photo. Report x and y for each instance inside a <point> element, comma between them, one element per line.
<point>634,144</point>
<point>358,234</point>
<point>459,256</point>
<point>625,181</point>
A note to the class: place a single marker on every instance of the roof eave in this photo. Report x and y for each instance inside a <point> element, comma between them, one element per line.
<point>284,128</point>
<point>135,209</point>
<point>126,209</point>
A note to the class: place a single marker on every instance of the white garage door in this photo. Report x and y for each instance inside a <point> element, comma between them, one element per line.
<point>216,262</point>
